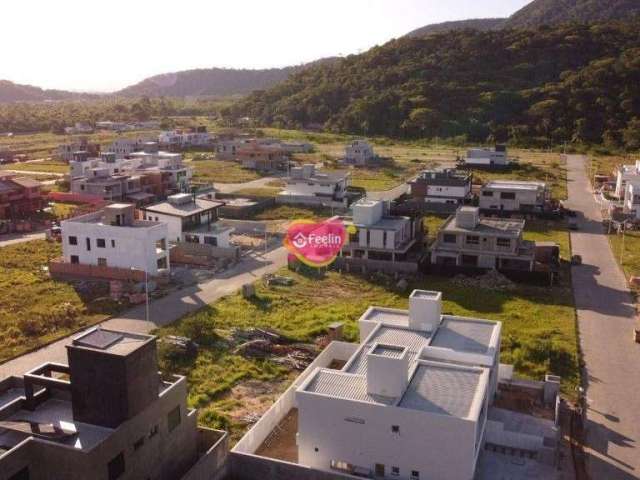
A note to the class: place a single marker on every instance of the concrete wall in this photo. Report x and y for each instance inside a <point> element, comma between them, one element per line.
<point>327,433</point>
<point>360,264</point>
<point>213,446</point>
<point>261,430</point>
<point>251,467</point>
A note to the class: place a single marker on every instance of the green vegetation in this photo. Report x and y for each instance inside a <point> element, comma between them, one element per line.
<point>539,230</point>
<point>538,331</point>
<point>222,172</point>
<point>569,83</point>
<point>62,210</point>
<point>45,166</point>
<point>289,212</point>
<point>258,191</point>
<point>34,309</point>
<point>631,255</point>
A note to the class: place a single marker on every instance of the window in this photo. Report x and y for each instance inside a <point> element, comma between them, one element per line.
<point>384,238</point>
<point>74,259</point>
<point>503,242</point>
<point>154,431</point>
<point>395,471</point>
<point>116,467</point>
<point>21,475</point>
<point>88,244</point>
<point>138,444</point>
<point>472,240</point>
<point>368,237</point>
<point>395,428</point>
<point>379,470</point>
<point>162,262</point>
<point>102,262</point>
<point>100,243</point>
<point>213,241</point>
<point>415,475</point>
<point>73,240</point>
<point>113,244</point>
<point>487,194</point>
<point>449,238</point>
<point>508,196</point>
<point>174,418</point>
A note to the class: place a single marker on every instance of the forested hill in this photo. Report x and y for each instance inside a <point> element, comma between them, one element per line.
<point>481,24</point>
<point>553,84</point>
<point>213,81</point>
<point>554,12</point>
<point>15,92</point>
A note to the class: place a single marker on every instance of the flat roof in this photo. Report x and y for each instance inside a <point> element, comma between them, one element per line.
<point>389,351</point>
<point>496,226</point>
<point>55,414</point>
<point>442,388</point>
<point>111,341</point>
<point>413,340</point>
<point>344,385</point>
<point>514,185</point>
<point>183,210</point>
<point>464,334</point>
<point>389,316</point>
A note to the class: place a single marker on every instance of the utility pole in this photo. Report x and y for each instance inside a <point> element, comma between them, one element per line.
<point>146,294</point>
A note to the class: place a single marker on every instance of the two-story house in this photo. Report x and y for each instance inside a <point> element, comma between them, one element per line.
<point>468,240</point>
<point>359,153</point>
<point>442,190</point>
<point>306,185</point>
<point>20,197</point>
<point>624,174</point>
<point>514,196</point>
<point>487,157</point>
<point>631,205</point>
<point>381,242</point>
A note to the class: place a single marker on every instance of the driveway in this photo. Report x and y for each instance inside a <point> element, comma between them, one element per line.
<point>162,311</point>
<point>606,318</point>
<point>12,238</point>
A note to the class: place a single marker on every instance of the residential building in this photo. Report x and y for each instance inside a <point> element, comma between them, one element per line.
<point>487,157</point>
<point>443,190</point>
<point>262,156</point>
<point>113,238</point>
<point>65,151</point>
<point>381,242</point>
<point>79,127</point>
<point>514,196</point>
<point>359,153</point>
<point>226,149</point>
<point>306,185</point>
<point>107,414</point>
<point>139,177</point>
<point>124,147</point>
<point>296,147</point>
<point>625,173</point>
<point>468,240</point>
<point>20,196</point>
<point>631,204</point>
<point>196,137</point>
<point>190,219</point>
<point>418,390</point>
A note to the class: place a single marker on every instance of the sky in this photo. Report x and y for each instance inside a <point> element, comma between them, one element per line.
<point>92,45</point>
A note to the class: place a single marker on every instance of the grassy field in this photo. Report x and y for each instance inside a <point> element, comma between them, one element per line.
<point>43,145</point>
<point>222,172</point>
<point>259,191</point>
<point>50,166</point>
<point>538,333</point>
<point>35,309</point>
<point>289,212</point>
<point>631,255</point>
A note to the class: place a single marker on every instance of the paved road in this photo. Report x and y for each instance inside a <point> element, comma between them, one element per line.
<point>19,238</point>
<point>163,311</point>
<point>605,320</point>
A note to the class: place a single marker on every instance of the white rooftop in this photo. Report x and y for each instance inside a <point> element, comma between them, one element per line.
<point>514,185</point>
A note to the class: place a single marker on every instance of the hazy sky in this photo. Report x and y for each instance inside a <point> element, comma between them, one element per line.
<point>105,45</point>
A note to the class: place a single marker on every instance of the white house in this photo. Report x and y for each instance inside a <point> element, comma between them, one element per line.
<point>411,402</point>
<point>358,152</point>
<point>624,174</point>
<point>514,196</point>
<point>487,157</point>
<point>190,219</point>
<point>631,204</point>
<point>198,137</point>
<point>307,185</point>
<point>112,237</point>
<point>123,147</point>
